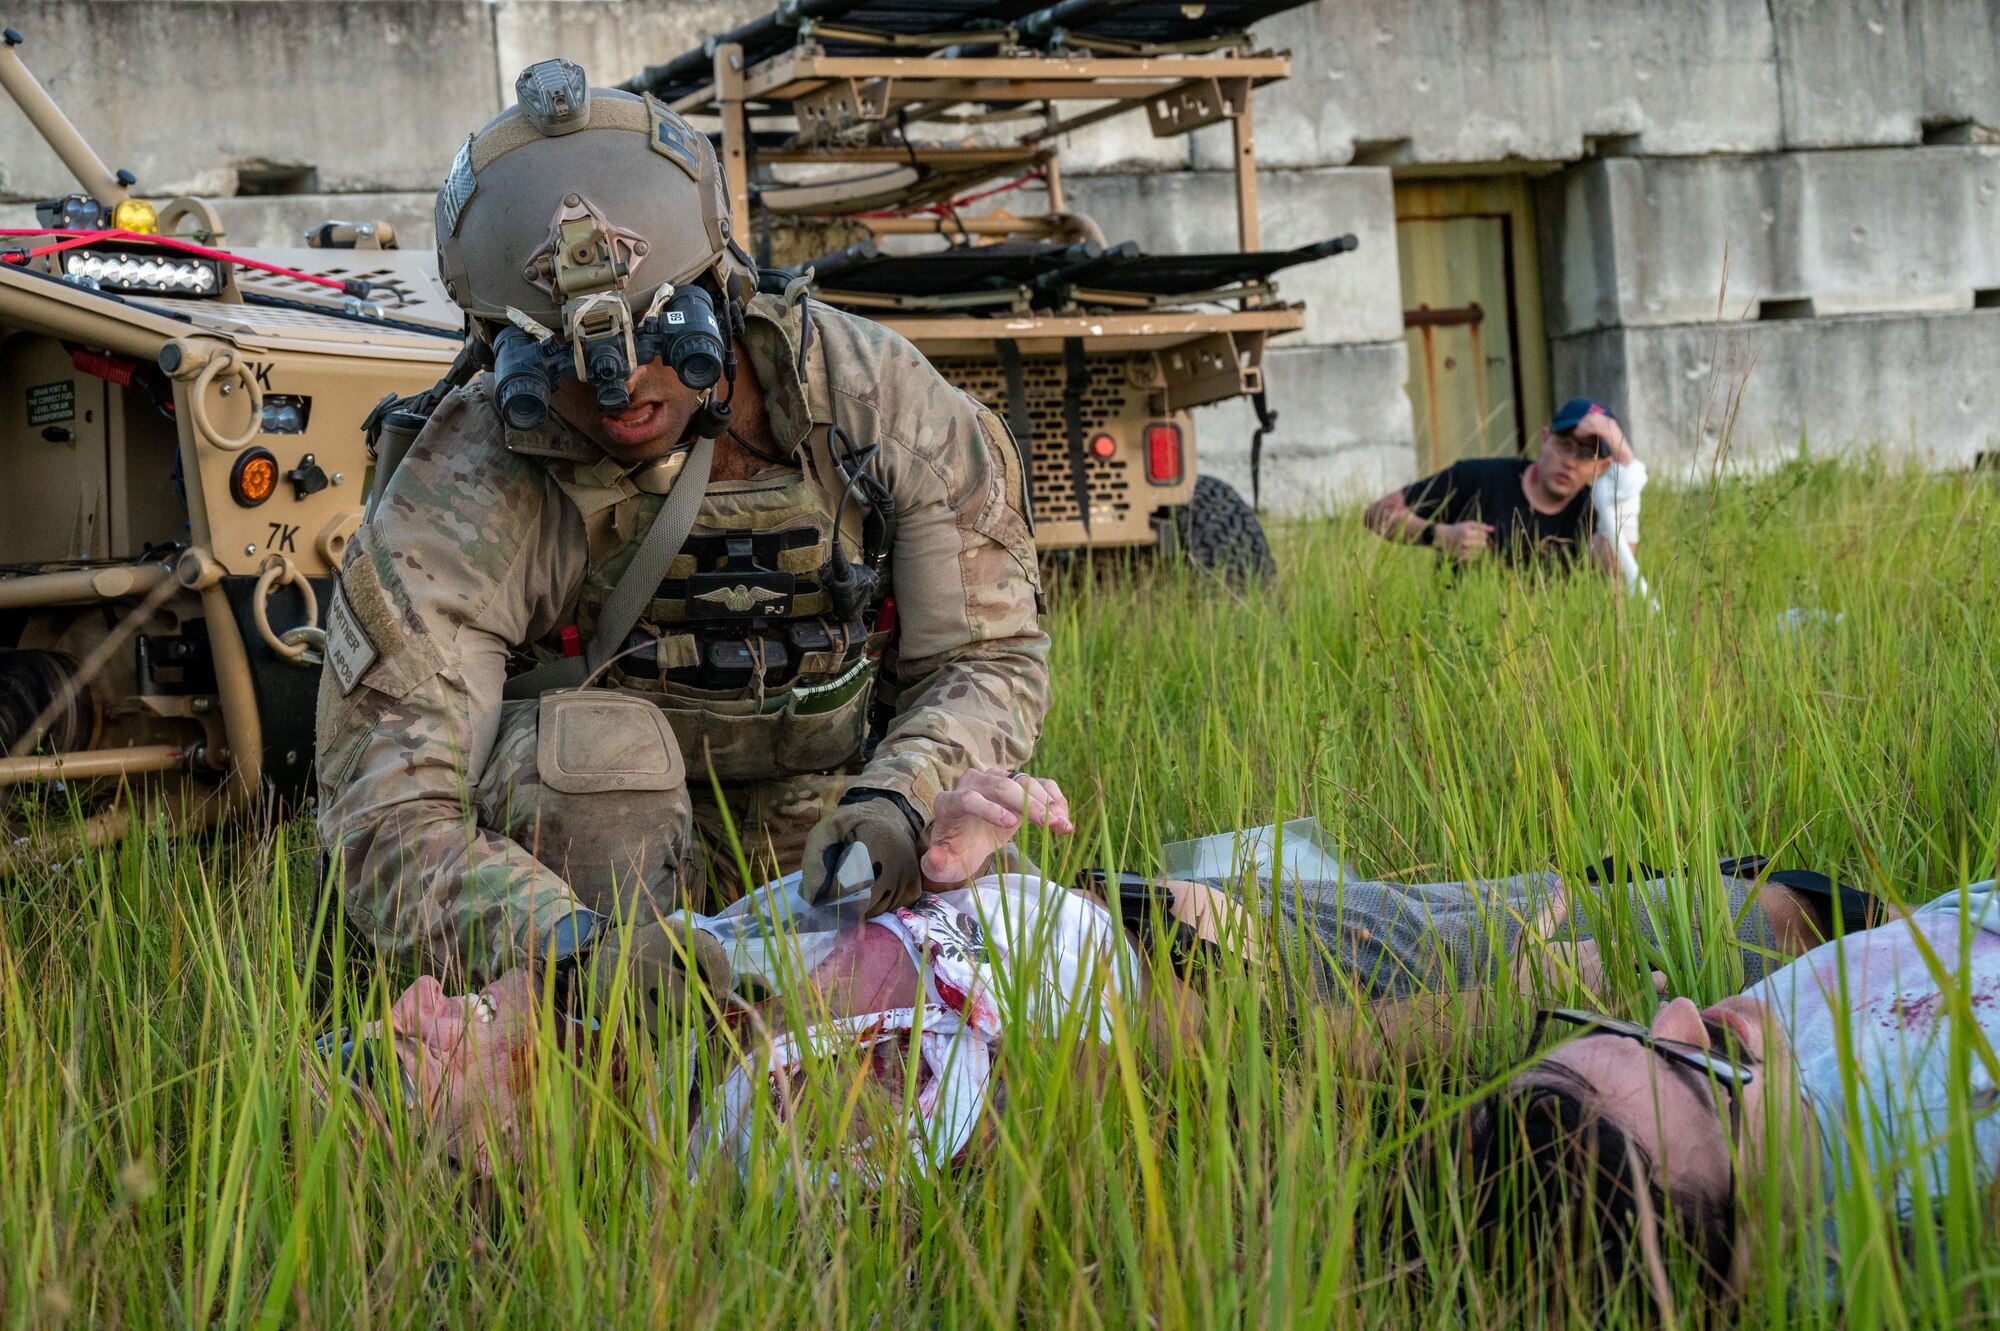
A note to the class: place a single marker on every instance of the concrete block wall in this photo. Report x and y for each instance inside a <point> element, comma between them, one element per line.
<point>1649,241</point>
<point>1847,289</point>
<point>1461,81</point>
<point>1855,73</point>
<point>188,95</point>
<point>1914,385</point>
<point>372,96</point>
<point>1842,151</point>
<point>1826,154</point>
<point>1343,424</point>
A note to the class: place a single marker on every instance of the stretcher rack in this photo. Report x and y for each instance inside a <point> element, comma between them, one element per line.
<point>1020,277</point>
<point>845,128</point>
<point>1011,77</point>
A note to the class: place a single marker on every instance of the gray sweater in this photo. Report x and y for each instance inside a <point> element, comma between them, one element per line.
<point>1364,939</point>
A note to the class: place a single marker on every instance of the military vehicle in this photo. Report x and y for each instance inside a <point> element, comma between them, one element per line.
<point>181,435</point>
<point>852,131</point>
<point>181,422</point>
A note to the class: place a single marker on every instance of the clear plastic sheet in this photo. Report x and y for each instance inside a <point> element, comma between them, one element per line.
<point>1292,851</point>
<point>773,934</point>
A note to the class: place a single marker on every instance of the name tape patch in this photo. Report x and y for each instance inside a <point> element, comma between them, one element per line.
<point>348,649</point>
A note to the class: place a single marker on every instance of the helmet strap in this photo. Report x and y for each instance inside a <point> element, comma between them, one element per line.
<point>711,418</point>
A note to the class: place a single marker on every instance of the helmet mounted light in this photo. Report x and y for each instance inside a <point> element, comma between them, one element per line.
<point>554,95</point>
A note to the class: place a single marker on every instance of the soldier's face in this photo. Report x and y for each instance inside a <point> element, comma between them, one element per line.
<point>661,408</point>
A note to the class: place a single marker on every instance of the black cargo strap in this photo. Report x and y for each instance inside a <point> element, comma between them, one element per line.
<point>395,422</point>
<point>1857,909</point>
<point>637,587</point>
<point>463,367</point>
<point>1076,382</point>
<point>1267,421</point>
<point>1018,423</point>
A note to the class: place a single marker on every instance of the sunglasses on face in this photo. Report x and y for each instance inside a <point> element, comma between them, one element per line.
<point>1579,450</point>
<point>1732,1074</point>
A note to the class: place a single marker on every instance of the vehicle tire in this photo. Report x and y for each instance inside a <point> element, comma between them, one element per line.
<point>1219,533</point>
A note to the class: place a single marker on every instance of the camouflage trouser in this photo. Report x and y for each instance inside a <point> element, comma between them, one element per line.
<point>647,850</point>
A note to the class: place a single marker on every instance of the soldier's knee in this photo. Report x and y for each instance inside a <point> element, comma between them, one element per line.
<point>607,806</point>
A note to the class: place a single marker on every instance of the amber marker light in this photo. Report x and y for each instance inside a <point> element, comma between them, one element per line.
<point>255,477</point>
<point>136,216</point>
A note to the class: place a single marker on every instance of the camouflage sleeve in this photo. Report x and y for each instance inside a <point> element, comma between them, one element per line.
<point>465,558</point>
<point>972,660</point>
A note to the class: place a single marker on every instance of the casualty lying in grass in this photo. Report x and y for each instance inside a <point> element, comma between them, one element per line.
<point>162,1163</point>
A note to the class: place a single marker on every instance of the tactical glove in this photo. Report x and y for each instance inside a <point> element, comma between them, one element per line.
<point>658,959</point>
<point>885,823</point>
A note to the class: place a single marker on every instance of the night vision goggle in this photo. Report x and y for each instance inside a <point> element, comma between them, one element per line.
<point>604,348</point>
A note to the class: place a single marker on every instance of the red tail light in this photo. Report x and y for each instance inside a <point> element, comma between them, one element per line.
<point>1163,453</point>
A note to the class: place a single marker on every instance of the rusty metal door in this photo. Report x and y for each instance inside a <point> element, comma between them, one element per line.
<point>1471,317</point>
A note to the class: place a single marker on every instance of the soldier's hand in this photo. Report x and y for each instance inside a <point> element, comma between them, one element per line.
<point>1464,541</point>
<point>661,961</point>
<point>981,814</point>
<point>878,823</point>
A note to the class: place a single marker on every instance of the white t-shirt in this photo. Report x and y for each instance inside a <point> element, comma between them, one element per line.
<point>1876,995</point>
<point>1006,951</point>
<point>1052,956</point>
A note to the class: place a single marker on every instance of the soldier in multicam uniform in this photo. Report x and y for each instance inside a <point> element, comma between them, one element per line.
<point>849,625</point>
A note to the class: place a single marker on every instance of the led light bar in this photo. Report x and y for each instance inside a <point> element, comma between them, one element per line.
<point>151,274</point>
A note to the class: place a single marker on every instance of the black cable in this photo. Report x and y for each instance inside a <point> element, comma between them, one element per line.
<point>1267,421</point>
<point>856,470</point>
<point>851,587</point>
<point>752,449</point>
<point>400,325</point>
<point>733,326</point>
<point>903,131</point>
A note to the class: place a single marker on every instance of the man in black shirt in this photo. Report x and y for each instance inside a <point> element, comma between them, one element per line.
<point>1524,511</point>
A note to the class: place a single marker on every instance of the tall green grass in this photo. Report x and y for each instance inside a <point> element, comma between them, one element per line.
<point>160,1164</point>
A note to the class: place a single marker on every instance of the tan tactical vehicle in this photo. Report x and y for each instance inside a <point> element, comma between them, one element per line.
<point>855,134</point>
<point>181,446</point>
<point>181,423</point>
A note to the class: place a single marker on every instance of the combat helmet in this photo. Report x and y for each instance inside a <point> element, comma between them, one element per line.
<point>586,233</point>
<point>567,153</point>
